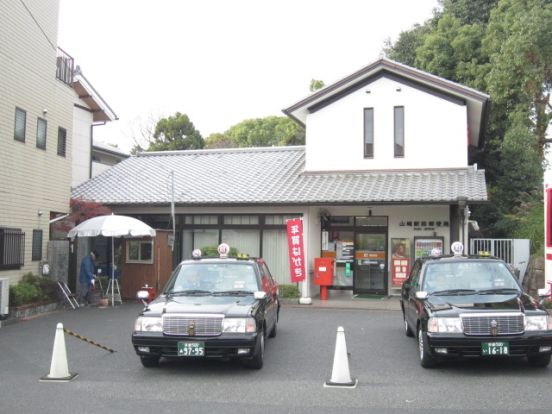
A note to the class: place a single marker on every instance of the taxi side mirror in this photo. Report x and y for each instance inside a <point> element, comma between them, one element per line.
<point>259,295</point>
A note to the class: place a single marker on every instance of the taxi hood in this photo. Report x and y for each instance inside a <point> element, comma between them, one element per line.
<point>225,304</point>
<point>507,302</point>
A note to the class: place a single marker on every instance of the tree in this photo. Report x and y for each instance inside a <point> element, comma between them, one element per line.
<point>141,132</point>
<point>316,84</point>
<point>501,47</point>
<point>80,210</point>
<point>470,11</point>
<point>218,140</point>
<point>176,132</point>
<point>520,48</point>
<point>404,49</point>
<point>266,132</point>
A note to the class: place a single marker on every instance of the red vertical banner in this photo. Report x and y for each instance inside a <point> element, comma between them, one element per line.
<point>296,251</point>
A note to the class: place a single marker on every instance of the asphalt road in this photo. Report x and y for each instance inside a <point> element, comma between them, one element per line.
<point>297,362</point>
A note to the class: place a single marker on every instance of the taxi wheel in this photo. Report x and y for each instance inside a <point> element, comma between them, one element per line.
<point>258,357</point>
<point>540,361</point>
<point>149,362</point>
<point>408,332</point>
<point>426,360</point>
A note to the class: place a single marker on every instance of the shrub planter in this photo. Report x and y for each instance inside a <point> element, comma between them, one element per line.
<point>30,310</point>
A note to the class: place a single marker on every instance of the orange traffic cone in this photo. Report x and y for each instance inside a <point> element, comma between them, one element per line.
<point>59,369</point>
<point>341,376</point>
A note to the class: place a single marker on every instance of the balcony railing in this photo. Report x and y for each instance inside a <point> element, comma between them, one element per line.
<point>65,65</point>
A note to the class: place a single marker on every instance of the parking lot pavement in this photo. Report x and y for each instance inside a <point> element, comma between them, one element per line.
<point>297,363</point>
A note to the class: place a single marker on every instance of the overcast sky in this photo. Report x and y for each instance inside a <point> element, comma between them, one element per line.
<point>222,61</point>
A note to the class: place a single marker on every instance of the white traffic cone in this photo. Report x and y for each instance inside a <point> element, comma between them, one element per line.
<point>59,369</point>
<point>341,376</point>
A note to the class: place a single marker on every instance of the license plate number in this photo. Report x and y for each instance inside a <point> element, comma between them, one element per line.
<point>495,348</point>
<point>191,349</point>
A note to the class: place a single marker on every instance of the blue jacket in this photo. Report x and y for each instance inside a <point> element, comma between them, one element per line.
<point>87,270</point>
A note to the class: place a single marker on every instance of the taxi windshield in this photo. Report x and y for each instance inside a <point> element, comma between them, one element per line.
<point>469,276</point>
<point>205,278</point>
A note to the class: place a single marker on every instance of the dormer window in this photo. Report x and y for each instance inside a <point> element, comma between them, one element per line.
<point>368,132</point>
<point>399,132</point>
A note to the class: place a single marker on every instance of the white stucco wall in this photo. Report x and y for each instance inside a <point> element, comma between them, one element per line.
<point>433,125</point>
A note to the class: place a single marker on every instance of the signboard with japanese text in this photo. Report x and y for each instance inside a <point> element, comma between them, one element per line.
<point>296,250</point>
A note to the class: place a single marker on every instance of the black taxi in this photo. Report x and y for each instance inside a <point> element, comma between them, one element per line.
<point>472,306</point>
<point>210,308</point>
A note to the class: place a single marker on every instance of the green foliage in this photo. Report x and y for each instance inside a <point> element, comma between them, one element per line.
<point>501,47</point>
<point>530,224</point>
<point>404,49</point>
<point>259,132</point>
<point>289,291</point>
<point>547,303</point>
<point>176,132</point>
<point>316,84</point>
<point>218,140</point>
<point>520,77</point>
<point>31,289</point>
<point>470,11</point>
<point>211,251</point>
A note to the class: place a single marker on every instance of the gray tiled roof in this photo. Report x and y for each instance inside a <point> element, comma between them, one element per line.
<point>269,176</point>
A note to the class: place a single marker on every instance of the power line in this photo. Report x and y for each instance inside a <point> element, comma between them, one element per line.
<point>38,25</point>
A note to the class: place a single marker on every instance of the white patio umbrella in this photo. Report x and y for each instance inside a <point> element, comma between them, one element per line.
<point>112,226</point>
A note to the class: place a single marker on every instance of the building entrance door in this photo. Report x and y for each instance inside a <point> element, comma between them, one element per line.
<point>370,274</point>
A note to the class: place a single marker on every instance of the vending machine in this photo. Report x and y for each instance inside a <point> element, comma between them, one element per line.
<point>424,245</point>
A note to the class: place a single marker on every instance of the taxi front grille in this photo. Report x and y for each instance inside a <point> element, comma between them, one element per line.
<point>192,325</point>
<point>490,324</point>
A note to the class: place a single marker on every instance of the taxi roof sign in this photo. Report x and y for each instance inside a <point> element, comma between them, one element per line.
<point>223,250</point>
<point>457,248</point>
<point>196,254</point>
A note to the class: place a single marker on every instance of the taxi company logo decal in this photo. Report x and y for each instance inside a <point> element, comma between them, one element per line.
<point>494,328</point>
<point>191,329</point>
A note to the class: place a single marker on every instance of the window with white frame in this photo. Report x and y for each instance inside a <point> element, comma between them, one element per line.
<point>399,131</point>
<point>41,131</point>
<point>62,141</point>
<point>139,251</point>
<point>20,124</point>
<point>368,132</point>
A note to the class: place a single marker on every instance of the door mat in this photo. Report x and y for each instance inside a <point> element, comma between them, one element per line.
<point>368,296</point>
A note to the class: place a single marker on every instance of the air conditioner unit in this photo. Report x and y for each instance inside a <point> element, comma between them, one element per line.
<point>4,295</point>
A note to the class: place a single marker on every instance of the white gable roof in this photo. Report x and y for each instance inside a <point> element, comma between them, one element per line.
<point>475,100</point>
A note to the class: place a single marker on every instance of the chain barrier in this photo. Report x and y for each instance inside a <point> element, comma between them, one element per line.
<point>83,338</point>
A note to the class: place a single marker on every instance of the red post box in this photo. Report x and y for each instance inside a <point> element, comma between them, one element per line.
<point>323,274</point>
<point>152,292</point>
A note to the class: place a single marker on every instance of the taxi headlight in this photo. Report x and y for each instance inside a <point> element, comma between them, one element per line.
<point>238,325</point>
<point>148,324</point>
<point>537,323</point>
<point>444,325</point>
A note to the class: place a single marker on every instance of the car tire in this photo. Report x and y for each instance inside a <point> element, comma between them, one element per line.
<point>540,361</point>
<point>256,362</point>
<point>426,359</point>
<point>149,362</point>
<point>407,331</point>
